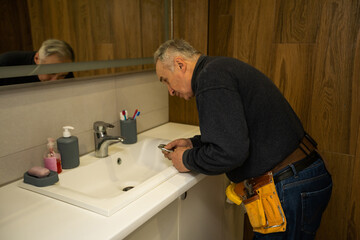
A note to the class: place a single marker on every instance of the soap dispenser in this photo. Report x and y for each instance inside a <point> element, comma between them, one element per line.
<point>52,159</point>
<point>68,147</point>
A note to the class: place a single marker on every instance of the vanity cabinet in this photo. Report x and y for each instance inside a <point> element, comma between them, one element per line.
<point>201,212</point>
<point>197,214</point>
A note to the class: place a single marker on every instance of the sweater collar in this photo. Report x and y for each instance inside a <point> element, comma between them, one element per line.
<point>198,67</point>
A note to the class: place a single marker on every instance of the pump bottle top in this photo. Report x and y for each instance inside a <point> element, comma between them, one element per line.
<point>66,132</point>
<point>51,143</point>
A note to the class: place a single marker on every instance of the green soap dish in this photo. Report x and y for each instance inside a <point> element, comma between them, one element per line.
<point>50,179</point>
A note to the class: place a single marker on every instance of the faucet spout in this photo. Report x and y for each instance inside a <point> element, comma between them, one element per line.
<point>102,140</point>
<point>103,146</point>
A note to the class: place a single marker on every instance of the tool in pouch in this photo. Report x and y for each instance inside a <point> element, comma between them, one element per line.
<point>261,202</point>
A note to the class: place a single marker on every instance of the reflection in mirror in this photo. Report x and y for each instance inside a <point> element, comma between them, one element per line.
<point>96,30</point>
<point>52,51</point>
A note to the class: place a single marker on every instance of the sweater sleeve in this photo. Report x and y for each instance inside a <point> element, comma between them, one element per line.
<point>224,134</point>
<point>196,141</point>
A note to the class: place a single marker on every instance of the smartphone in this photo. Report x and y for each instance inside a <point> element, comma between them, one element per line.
<point>162,147</point>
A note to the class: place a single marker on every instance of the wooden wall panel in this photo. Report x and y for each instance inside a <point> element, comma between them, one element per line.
<point>101,30</point>
<point>355,112</point>
<point>254,33</point>
<point>189,14</point>
<point>103,46</point>
<point>311,50</point>
<point>353,211</point>
<point>297,21</point>
<point>102,15</point>
<point>81,18</point>
<point>221,28</point>
<point>127,30</point>
<point>335,221</point>
<point>50,19</point>
<point>292,75</point>
<point>152,26</point>
<point>353,229</point>
<point>332,98</point>
<point>190,24</point>
<point>15,28</point>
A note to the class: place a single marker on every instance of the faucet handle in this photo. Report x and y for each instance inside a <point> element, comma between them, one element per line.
<point>100,126</point>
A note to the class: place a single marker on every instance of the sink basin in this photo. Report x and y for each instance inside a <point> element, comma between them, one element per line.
<point>105,185</point>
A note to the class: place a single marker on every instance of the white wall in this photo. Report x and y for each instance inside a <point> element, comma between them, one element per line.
<point>28,116</point>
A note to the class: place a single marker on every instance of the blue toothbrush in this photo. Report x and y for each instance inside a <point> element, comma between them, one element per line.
<point>137,114</point>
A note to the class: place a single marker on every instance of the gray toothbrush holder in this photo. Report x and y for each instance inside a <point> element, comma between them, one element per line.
<point>128,131</point>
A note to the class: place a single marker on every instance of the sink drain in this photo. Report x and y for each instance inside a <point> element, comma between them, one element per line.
<point>125,189</point>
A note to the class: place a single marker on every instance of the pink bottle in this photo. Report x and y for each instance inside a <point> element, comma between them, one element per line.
<point>52,159</point>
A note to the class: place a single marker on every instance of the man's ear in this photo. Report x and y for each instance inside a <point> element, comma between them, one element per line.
<point>180,64</point>
<point>37,58</point>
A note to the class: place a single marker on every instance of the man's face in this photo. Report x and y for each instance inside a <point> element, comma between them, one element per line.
<point>51,60</point>
<point>175,81</point>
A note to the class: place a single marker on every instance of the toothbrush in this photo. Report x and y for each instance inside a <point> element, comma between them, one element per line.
<point>124,114</point>
<point>136,111</point>
<point>137,114</point>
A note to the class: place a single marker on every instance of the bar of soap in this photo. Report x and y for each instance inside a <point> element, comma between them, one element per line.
<point>39,172</point>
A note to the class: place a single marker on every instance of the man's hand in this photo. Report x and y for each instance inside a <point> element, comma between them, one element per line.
<point>179,146</point>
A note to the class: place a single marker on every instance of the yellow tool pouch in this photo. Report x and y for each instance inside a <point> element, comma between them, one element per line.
<point>263,206</point>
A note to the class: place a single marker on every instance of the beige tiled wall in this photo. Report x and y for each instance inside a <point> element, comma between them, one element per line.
<point>28,116</point>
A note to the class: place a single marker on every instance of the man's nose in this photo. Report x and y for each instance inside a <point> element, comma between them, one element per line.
<point>171,91</point>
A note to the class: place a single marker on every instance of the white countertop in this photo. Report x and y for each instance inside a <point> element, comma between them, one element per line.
<point>28,215</point>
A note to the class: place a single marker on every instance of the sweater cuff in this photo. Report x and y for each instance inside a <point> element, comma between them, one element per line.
<point>196,141</point>
<point>185,158</point>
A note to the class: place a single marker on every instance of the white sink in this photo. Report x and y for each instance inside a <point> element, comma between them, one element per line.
<point>105,185</point>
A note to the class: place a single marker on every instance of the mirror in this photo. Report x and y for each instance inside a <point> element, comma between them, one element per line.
<point>107,37</point>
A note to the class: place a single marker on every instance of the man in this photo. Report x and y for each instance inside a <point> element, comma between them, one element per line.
<point>247,129</point>
<point>51,51</point>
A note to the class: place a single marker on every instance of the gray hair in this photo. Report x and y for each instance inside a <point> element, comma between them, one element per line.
<point>172,48</point>
<point>58,47</point>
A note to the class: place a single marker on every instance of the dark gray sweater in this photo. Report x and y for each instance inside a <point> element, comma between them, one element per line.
<point>247,126</point>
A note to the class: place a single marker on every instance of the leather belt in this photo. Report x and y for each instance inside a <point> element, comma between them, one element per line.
<point>299,166</point>
<point>301,158</point>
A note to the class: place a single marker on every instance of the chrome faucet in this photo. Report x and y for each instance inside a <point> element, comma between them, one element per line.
<point>102,140</point>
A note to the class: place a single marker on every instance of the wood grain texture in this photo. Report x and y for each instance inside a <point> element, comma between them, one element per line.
<point>152,27</point>
<point>254,33</point>
<point>128,28</point>
<point>15,28</point>
<point>332,97</point>
<point>353,229</point>
<point>190,24</point>
<point>355,110</point>
<point>221,25</point>
<point>292,75</point>
<point>297,21</point>
<point>311,50</point>
<point>335,221</point>
<point>353,212</point>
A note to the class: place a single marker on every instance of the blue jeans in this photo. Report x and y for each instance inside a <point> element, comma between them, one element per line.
<point>304,198</point>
